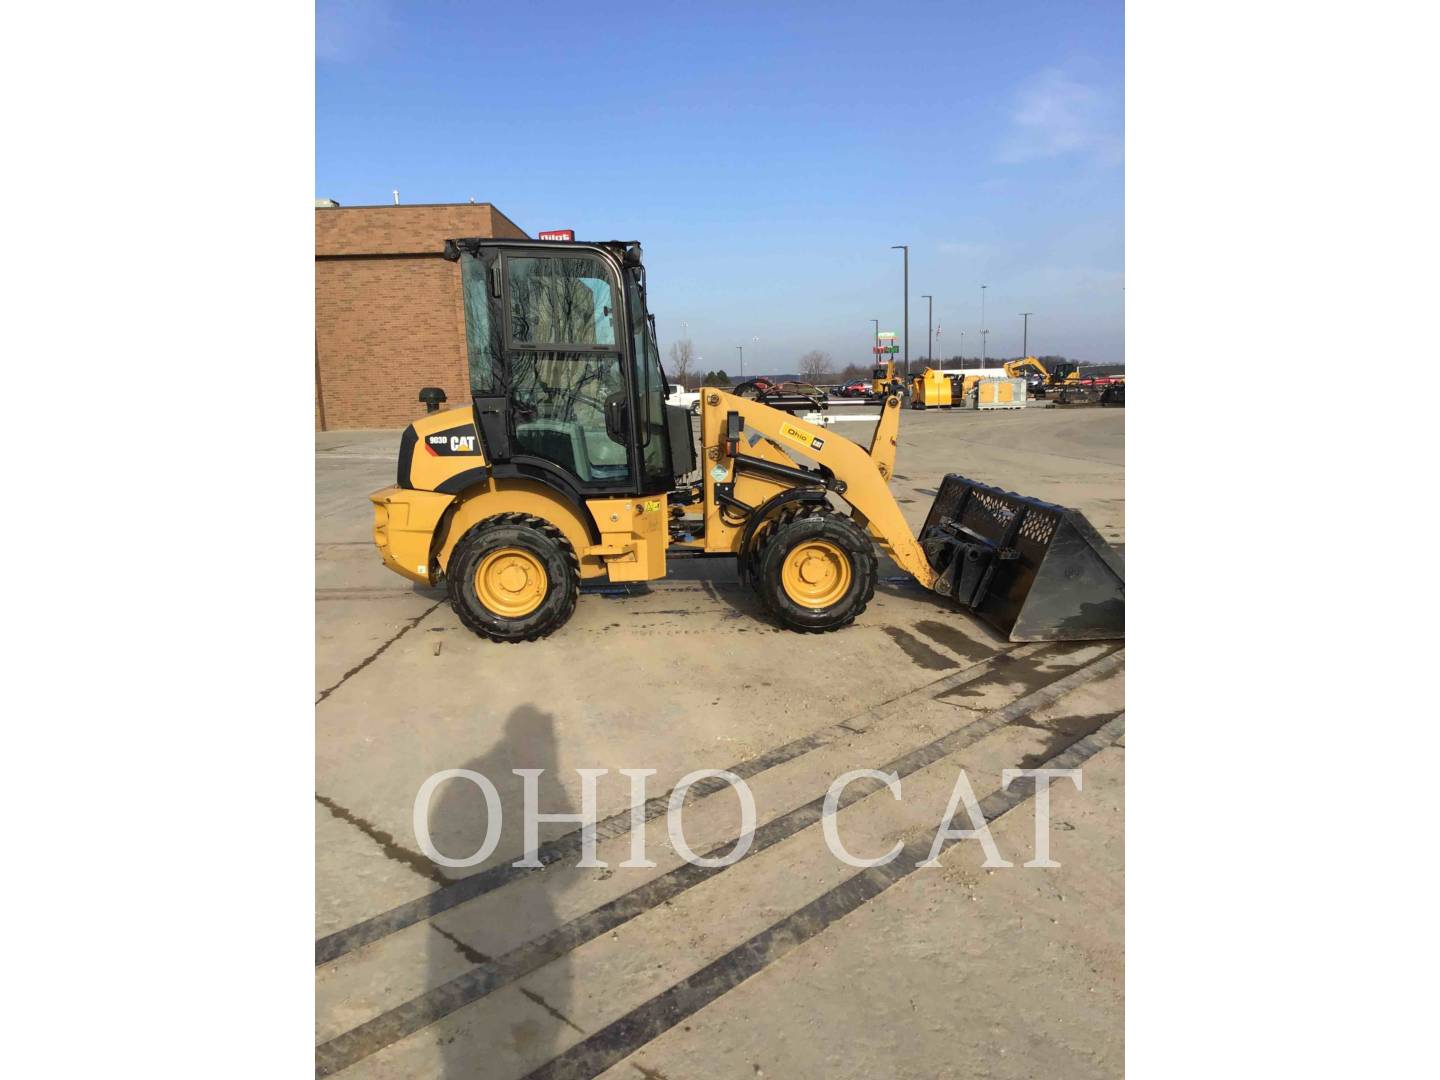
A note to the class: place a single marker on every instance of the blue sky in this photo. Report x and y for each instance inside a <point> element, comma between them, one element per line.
<point>766,155</point>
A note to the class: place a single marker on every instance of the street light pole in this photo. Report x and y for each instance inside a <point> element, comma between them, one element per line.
<point>983,332</point>
<point>930,331</point>
<point>876,343</point>
<point>1025,348</point>
<point>906,249</point>
<point>742,361</point>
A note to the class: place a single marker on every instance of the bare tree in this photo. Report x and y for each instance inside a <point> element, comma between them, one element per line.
<point>814,366</point>
<point>682,355</point>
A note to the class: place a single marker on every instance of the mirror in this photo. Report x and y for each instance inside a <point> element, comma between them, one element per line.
<point>617,418</point>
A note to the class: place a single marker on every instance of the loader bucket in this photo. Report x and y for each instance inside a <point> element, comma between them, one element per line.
<point>1032,570</point>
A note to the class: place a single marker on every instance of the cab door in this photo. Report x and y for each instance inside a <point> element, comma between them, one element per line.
<point>569,397</point>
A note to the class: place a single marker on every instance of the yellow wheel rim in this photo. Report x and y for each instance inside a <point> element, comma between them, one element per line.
<point>510,582</point>
<point>816,574</point>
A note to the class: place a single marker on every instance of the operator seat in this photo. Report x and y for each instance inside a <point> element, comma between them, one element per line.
<point>560,441</point>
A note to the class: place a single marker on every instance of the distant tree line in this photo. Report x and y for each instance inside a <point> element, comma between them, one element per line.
<point>817,366</point>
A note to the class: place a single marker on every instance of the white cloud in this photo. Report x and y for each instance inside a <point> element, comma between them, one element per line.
<point>1057,114</point>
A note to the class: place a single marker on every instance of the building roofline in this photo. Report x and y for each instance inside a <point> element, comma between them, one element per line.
<point>500,213</point>
<point>410,206</point>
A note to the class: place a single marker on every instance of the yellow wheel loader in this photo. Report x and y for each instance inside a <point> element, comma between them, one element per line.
<point>568,466</point>
<point>885,380</point>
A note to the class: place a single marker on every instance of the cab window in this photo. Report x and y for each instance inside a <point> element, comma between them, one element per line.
<point>565,366</point>
<point>560,301</point>
<point>649,392</point>
<point>482,361</point>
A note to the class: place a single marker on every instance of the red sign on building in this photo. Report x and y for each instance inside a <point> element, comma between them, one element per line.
<point>559,234</point>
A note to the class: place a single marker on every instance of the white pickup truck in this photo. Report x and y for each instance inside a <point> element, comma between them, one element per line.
<point>686,399</point>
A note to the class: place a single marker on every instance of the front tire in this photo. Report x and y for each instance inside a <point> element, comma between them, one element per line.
<point>512,578</point>
<point>815,570</point>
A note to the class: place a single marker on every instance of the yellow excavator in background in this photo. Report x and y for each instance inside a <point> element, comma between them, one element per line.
<point>1065,374</point>
<point>1064,379</point>
<point>567,465</point>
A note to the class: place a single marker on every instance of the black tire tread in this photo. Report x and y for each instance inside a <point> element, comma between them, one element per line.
<point>572,591</point>
<point>796,512</point>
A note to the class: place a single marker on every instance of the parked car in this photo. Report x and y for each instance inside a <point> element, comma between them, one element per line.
<point>686,399</point>
<point>859,388</point>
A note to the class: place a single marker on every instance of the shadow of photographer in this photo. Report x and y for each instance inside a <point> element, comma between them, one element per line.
<point>523,1023</point>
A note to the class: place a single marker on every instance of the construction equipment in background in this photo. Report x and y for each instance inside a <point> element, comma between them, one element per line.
<point>1065,382</point>
<point>790,395</point>
<point>1096,390</point>
<point>885,380</point>
<point>1002,392</point>
<point>978,390</point>
<point>933,389</point>
<point>971,372</point>
<point>568,466</point>
<point>1063,374</point>
<point>929,386</point>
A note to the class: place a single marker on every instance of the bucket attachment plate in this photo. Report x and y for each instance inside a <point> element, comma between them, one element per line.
<point>1032,570</point>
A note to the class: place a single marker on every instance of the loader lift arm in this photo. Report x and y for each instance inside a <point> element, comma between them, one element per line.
<point>859,476</point>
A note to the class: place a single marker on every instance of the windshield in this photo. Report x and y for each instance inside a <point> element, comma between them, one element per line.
<point>649,385</point>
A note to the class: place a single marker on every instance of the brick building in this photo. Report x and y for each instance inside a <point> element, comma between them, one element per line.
<point>388,315</point>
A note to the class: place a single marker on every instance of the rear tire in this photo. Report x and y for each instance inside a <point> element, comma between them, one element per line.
<point>815,570</point>
<point>512,578</point>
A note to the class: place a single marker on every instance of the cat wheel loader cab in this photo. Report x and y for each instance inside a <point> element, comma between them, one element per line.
<point>567,465</point>
<point>884,380</point>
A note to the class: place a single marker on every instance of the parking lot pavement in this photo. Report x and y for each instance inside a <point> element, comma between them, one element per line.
<point>485,971</point>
